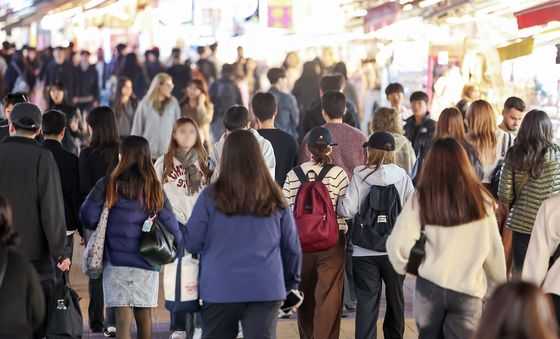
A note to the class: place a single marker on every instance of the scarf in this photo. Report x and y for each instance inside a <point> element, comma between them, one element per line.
<point>189,161</point>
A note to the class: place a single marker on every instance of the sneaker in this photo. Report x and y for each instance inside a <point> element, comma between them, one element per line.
<point>110,332</point>
<point>179,335</point>
<point>197,333</point>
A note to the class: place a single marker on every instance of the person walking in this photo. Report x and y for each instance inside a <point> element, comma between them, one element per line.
<point>9,101</point>
<point>463,249</point>
<point>197,106</point>
<point>156,114</point>
<point>95,162</point>
<point>512,115</point>
<point>124,105</point>
<point>23,302</point>
<point>133,194</point>
<point>223,94</point>
<point>183,172</point>
<point>530,175</point>
<point>30,181</point>
<point>322,273</point>
<point>131,68</point>
<point>245,218</point>
<point>371,268</point>
<point>58,101</point>
<point>287,118</point>
<point>389,120</point>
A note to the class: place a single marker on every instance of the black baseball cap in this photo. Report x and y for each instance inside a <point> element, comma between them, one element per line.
<point>381,140</point>
<point>320,134</point>
<point>26,115</point>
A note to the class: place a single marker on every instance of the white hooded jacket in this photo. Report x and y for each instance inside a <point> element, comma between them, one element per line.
<point>359,189</point>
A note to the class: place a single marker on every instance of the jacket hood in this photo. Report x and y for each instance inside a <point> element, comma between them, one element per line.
<point>400,141</point>
<point>384,176</point>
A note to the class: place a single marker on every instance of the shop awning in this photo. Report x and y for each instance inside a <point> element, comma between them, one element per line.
<point>538,15</point>
<point>516,49</point>
<point>31,14</point>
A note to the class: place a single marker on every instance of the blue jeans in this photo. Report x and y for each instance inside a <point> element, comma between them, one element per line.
<point>443,313</point>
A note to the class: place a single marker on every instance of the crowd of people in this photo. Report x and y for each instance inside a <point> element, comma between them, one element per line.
<point>279,193</point>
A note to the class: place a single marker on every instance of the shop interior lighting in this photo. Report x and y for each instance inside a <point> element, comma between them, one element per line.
<point>359,13</point>
<point>407,7</point>
<point>427,3</point>
<point>93,3</point>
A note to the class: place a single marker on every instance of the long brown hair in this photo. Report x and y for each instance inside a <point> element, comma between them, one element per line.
<point>201,85</point>
<point>320,153</point>
<point>481,122</point>
<point>449,191</point>
<point>135,176</point>
<point>104,133</point>
<point>517,310</point>
<point>169,156</point>
<point>245,185</point>
<point>117,104</point>
<point>451,125</point>
<point>376,158</point>
<point>532,143</point>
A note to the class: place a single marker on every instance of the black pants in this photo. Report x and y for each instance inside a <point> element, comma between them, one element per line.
<point>556,303</point>
<point>183,321</point>
<point>221,321</point>
<point>369,275</point>
<point>519,244</point>
<point>48,290</point>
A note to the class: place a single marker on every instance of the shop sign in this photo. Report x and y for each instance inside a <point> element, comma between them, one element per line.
<point>380,16</point>
<point>517,49</point>
<point>539,15</point>
<point>280,14</point>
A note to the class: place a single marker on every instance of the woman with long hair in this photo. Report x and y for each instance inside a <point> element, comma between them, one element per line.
<point>156,114</point>
<point>530,175</point>
<point>292,65</point>
<point>57,100</point>
<point>389,120</point>
<point>183,173</point>
<point>322,274</point>
<point>470,93</point>
<point>133,194</point>
<point>244,230</point>
<point>517,310</point>
<point>307,87</point>
<point>372,268</point>
<point>124,105</point>
<point>96,161</point>
<point>451,125</point>
<point>131,68</point>
<point>463,249</point>
<point>197,106</point>
<point>23,302</point>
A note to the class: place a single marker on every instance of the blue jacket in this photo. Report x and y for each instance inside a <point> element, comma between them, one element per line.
<point>124,226</point>
<point>245,258</point>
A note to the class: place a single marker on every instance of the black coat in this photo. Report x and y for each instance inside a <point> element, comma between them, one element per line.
<point>64,73</point>
<point>23,303</point>
<point>420,136</point>
<point>68,168</point>
<point>181,75</point>
<point>93,165</point>
<point>224,94</point>
<point>88,84</point>
<point>30,181</point>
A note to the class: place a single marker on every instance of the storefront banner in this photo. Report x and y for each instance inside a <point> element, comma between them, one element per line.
<point>380,16</point>
<point>517,49</point>
<point>280,14</point>
<point>538,15</point>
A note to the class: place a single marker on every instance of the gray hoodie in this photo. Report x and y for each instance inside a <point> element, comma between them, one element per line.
<point>359,189</point>
<point>404,152</point>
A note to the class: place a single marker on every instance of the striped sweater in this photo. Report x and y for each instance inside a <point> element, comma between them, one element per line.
<point>336,181</point>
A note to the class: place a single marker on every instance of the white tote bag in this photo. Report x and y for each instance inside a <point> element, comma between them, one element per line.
<point>92,261</point>
<point>180,283</point>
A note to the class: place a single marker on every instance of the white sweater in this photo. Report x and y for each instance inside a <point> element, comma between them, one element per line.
<point>545,239</point>
<point>267,152</point>
<point>465,258</point>
<point>359,189</point>
<point>176,190</point>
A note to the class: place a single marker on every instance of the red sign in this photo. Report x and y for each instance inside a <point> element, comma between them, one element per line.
<point>381,16</point>
<point>539,15</point>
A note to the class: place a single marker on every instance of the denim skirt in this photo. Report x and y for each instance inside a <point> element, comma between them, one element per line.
<point>129,286</point>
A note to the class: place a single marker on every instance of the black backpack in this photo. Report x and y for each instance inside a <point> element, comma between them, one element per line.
<point>377,217</point>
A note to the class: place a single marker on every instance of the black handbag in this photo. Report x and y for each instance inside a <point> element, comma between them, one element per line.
<point>64,319</point>
<point>156,244</point>
<point>417,253</point>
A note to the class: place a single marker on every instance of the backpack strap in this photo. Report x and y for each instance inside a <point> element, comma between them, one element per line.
<point>302,177</point>
<point>324,171</point>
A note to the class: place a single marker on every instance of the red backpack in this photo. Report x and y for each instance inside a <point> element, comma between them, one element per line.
<point>314,212</point>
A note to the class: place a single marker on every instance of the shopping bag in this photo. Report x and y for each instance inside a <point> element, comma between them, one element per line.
<point>92,261</point>
<point>64,317</point>
<point>180,282</point>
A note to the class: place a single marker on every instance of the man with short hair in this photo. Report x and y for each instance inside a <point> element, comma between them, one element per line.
<point>284,145</point>
<point>87,91</point>
<point>314,116</point>
<point>287,117</point>
<point>54,128</point>
<point>30,181</point>
<point>10,100</point>
<point>205,66</point>
<point>419,128</point>
<point>395,95</point>
<point>513,114</point>
<point>237,118</point>
<point>60,70</point>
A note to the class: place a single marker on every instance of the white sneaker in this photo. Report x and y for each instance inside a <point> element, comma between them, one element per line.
<point>179,335</point>
<point>197,333</point>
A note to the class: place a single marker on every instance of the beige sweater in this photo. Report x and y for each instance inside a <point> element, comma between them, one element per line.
<point>545,239</point>
<point>465,258</point>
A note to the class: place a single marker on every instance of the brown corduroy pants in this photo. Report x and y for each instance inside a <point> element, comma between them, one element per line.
<point>322,282</point>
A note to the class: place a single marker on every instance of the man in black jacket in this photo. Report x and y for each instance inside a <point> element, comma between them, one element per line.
<point>87,81</point>
<point>54,127</point>
<point>29,180</point>
<point>60,70</point>
<point>10,100</point>
<point>314,116</point>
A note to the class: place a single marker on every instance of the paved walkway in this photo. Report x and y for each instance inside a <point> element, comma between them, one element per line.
<point>287,329</point>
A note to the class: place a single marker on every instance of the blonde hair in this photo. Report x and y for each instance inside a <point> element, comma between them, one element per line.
<point>482,125</point>
<point>377,157</point>
<point>386,119</point>
<point>467,89</point>
<point>153,92</point>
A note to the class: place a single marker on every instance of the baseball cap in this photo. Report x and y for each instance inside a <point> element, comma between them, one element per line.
<point>320,134</point>
<point>382,141</point>
<point>26,115</point>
